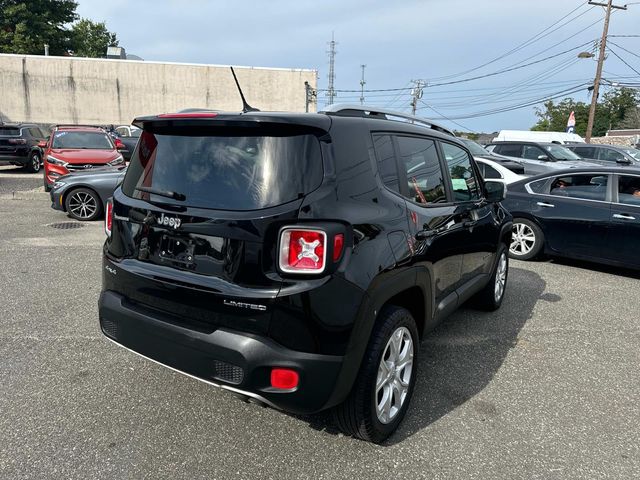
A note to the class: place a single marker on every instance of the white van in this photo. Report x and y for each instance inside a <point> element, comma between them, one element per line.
<point>530,136</point>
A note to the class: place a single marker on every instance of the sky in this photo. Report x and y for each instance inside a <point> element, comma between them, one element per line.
<point>433,41</point>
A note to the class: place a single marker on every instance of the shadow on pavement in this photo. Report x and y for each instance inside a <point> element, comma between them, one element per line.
<point>461,356</point>
<point>597,267</point>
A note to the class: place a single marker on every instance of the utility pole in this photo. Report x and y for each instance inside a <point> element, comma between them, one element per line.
<point>416,94</point>
<point>331,93</point>
<point>596,83</point>
<point>309,96</point>
<point>362,84</point>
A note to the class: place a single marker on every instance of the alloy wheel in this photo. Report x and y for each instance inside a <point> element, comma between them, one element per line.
<point>501,277</point>
<point>35,163</point>
<point>523,239</point>
<point>394,375</point>
<point>83,205</point>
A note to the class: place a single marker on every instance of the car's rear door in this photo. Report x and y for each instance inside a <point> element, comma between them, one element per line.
<point>574,211</point>
<point>624,232</point>
<point>435,221</point>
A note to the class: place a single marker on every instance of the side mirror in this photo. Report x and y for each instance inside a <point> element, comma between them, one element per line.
<point>496,191</point>
<point>120,145</point>
<point>623,161</point>
<point>42,144</point>
<point>544,158</point>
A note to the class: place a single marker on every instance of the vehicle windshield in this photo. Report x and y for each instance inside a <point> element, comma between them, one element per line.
<point>634,152</point>
<point>83,140</point>
<point>474,148</point>
<point>561,153</point>
<point>225,168</point>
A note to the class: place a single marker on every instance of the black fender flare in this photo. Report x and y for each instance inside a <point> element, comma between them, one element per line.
<point>384,287</point>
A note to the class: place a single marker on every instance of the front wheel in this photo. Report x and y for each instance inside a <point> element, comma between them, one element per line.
<point>34,163</point>
<point>83,204</point>
<point>491,296</point>
<point>385,383</point>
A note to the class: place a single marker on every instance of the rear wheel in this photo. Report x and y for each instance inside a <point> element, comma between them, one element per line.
<point>527,239</point>
<point>83,204</point>
<point>383,389</point>
<point>34,163</point>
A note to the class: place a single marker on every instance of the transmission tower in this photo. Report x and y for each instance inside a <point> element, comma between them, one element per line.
<point>331,93</point>
<point>362,84</point>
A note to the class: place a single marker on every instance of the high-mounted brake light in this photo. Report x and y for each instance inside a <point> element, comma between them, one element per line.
<point>302,250</point>
<point>188,115</point>
<point>284,378</point>
<point>108,218</point>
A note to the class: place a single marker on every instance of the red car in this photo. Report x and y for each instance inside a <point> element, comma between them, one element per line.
<point>76,147</point>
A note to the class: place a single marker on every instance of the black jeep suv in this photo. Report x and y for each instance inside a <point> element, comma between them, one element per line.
<point>298,259</point>
<point>20,144</point>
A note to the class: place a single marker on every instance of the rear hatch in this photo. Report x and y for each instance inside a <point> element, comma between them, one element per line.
<point>8,140</point>
<point>197,217</point>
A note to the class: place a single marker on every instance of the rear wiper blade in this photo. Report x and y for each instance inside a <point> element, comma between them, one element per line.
<point>163,193</point>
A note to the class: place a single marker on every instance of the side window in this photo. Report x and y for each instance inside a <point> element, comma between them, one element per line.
<point>463,179</point>
<point>424,175</point>
<point>589,186</point>
<point>532,152</point>
<point>629,190</point>
<point>539,186</point>
<point>584,152</point>
<point>610,155</point>
<point>488,171</point>
<point>123,131</point>
<point>509,150</point>
<point>387,167</point>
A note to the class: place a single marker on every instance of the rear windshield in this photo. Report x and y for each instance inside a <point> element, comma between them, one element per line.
<point>227,170</point>
<point>88,140</point>
<point>9,131</point>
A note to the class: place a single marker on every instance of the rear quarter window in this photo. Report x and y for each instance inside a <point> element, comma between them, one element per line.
<point>228,169</point>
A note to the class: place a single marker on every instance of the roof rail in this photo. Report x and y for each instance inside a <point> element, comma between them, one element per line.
<point>355,110</point>
<point>71,125</point>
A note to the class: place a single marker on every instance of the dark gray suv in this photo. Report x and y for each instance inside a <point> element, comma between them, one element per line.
<point>608,155</point>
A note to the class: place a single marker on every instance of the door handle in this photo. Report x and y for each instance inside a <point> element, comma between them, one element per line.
<point>425,234</point>
<point>545,204</point>
<point>622,216</point>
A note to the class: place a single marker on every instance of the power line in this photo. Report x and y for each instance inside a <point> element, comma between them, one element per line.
<point>622,48</point>
<point>446,118</point>
<point>622,60</point>
<point>526,43</point>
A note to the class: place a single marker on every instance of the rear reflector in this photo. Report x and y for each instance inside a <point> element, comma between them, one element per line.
<point>302,250</point>
<point>108,218</point>
<point>188,115</point>
<point>338,245</point>
<point>284,378</point>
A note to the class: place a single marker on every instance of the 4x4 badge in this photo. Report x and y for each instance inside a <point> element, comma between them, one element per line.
<point>169,221</point>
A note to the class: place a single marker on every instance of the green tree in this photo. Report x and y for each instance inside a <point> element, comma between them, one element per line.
<point>91,39</point>
<point>615,108</point>
<point>26,25</point>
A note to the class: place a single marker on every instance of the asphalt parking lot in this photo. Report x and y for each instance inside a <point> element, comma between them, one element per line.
<point>548,387</point>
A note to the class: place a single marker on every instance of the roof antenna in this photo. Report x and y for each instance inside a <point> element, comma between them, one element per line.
<point>245,106</point>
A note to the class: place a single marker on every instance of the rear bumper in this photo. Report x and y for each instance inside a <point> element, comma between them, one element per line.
<point>229,359</point>
<point>15,158</point>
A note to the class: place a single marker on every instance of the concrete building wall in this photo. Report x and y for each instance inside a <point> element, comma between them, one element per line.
<point>81,90</point>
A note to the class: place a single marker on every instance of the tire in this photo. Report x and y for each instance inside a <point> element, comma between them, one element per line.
<point>358,415</point>
<point>83,204</point>
<point>34,163</point>
<point>491,296</point>
<point>527,240</point>
<point>47,188</point>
